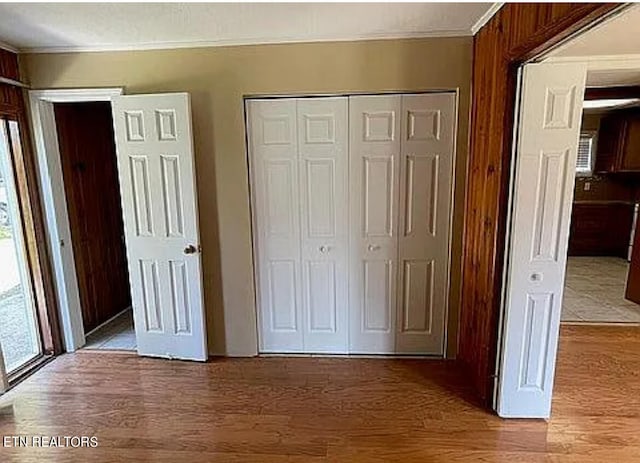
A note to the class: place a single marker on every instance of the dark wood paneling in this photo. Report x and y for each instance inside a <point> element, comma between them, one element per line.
<point>12,108</point>
<point>10,97</point>
<point>9,67</point>
<point>322,410</point>
<point>88,158</point>
<point>518,31</point>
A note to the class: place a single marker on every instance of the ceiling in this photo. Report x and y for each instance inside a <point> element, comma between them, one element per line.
<point>611,51</point>
<point>618,36</point>
<point>48,27</point>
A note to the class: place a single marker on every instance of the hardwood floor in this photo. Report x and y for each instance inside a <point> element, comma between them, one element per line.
<point>321,409</point>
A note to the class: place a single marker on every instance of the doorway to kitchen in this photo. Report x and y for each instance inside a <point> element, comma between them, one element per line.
<point>555,143</point>
<point>602,283</point>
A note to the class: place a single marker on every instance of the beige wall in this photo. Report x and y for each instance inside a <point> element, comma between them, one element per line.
<point>217,79</point>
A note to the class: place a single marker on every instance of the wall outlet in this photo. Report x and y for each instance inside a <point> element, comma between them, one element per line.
<point>587,186</point>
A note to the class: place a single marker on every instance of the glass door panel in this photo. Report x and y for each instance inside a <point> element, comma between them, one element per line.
<point>19,333</point>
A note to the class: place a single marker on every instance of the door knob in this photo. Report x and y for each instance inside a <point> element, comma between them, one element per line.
<point>191,249</point>
<point>324,248</point>
<point>536,277</point>
<point>374,247</point>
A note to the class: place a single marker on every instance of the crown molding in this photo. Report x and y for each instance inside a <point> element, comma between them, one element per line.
<point>11,48</point>
<point>253,41</point>
<point>485,18</point>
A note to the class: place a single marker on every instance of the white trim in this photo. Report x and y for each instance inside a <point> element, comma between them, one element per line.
<point>6,80</point>
<point>239,42</point>
<point>8,47</point>
<point>612,63</point>
<point>485,18</point>
<point>55,205</point>
<point>76,95</point>
<point>105,323</point>
<point>630,61</point>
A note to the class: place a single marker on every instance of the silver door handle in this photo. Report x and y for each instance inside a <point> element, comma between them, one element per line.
<point>374,247</point>
<point>324,249</point>
<point>536,277</point>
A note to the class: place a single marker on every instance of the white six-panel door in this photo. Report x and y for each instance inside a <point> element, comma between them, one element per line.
<point>299,175</point>
<point>275,192</point>
<point>351,208</point>
<point>546,150</point>
<point>323,157</point>
<point>374,126</point>
<point>426,175</point>
<point>157,182</point>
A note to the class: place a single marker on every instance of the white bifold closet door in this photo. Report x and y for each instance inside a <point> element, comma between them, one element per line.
<point>351,208</point>
<point>426,176</point>
<point>374,185</point>
<point>299,170</point>
<point>401,153</point>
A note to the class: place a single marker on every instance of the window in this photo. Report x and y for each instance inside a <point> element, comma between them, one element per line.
<point>584,163</point>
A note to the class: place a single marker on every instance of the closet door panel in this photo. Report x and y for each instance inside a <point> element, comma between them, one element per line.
<point>275,198</point>
<point>323,171</point>
<point>427,127</point>
<point>374,123</point>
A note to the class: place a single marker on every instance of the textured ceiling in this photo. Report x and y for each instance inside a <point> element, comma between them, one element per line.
<point>113,26</point>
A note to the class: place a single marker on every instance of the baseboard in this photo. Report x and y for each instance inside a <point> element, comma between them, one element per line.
<point>107,322</point>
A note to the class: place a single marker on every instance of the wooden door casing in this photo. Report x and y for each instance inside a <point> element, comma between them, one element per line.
<point>89,169</point>
<point>518,31</point>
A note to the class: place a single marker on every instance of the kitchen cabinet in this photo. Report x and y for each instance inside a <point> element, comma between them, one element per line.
<point>600,228</point>
<point>619,142</point>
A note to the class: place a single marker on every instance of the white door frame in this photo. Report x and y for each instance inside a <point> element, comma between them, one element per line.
<point>51,183</point>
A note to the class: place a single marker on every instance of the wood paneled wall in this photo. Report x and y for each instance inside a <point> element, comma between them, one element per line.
<point>90,172</point>
<point>10,96</point>
<point>12,107</point>
<point>516,33</point>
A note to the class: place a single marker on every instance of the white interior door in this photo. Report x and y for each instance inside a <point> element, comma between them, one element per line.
<point>426,175</point>
<point>374,122</point>
<point>549,127</point>
<point>273,148</point>
<point>157,182</point>
<point>323,166</point>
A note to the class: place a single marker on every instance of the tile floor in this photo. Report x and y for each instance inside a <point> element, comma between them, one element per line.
<point>118,334</point>
<point>594,291</point>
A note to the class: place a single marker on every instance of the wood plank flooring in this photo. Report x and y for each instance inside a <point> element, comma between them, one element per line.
<point>321,409</point>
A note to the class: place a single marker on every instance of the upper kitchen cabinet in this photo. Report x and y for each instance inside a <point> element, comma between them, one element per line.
<point>619,142</point>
